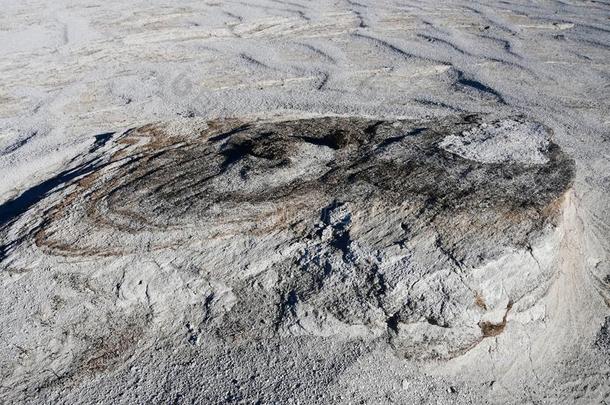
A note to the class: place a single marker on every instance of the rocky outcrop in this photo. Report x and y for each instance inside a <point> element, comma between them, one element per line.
<point>422,235</point>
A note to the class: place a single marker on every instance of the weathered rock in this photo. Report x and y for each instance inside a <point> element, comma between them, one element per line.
<point>337,228</point>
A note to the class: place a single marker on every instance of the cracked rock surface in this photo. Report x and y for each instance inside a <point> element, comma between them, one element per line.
<point>266,260</point>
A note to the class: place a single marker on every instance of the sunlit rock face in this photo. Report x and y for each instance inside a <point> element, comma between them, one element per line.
<point>424,234</point>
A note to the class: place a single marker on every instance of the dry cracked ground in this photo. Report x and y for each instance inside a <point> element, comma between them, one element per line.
<point>305,202</point>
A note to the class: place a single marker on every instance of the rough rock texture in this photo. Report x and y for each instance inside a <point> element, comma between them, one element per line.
<point>107,310</point>
<point>263,260</point>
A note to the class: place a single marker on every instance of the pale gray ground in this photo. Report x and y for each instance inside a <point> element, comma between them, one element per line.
<point>136,324</point>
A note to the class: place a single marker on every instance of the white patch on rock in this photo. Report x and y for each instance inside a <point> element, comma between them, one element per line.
<point>506,141</point>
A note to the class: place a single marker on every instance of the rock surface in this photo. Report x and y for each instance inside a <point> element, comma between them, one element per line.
<point>232,239</point>
<point>120,308</point>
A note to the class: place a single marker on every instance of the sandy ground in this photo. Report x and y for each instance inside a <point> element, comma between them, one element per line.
<point>73,71</point>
